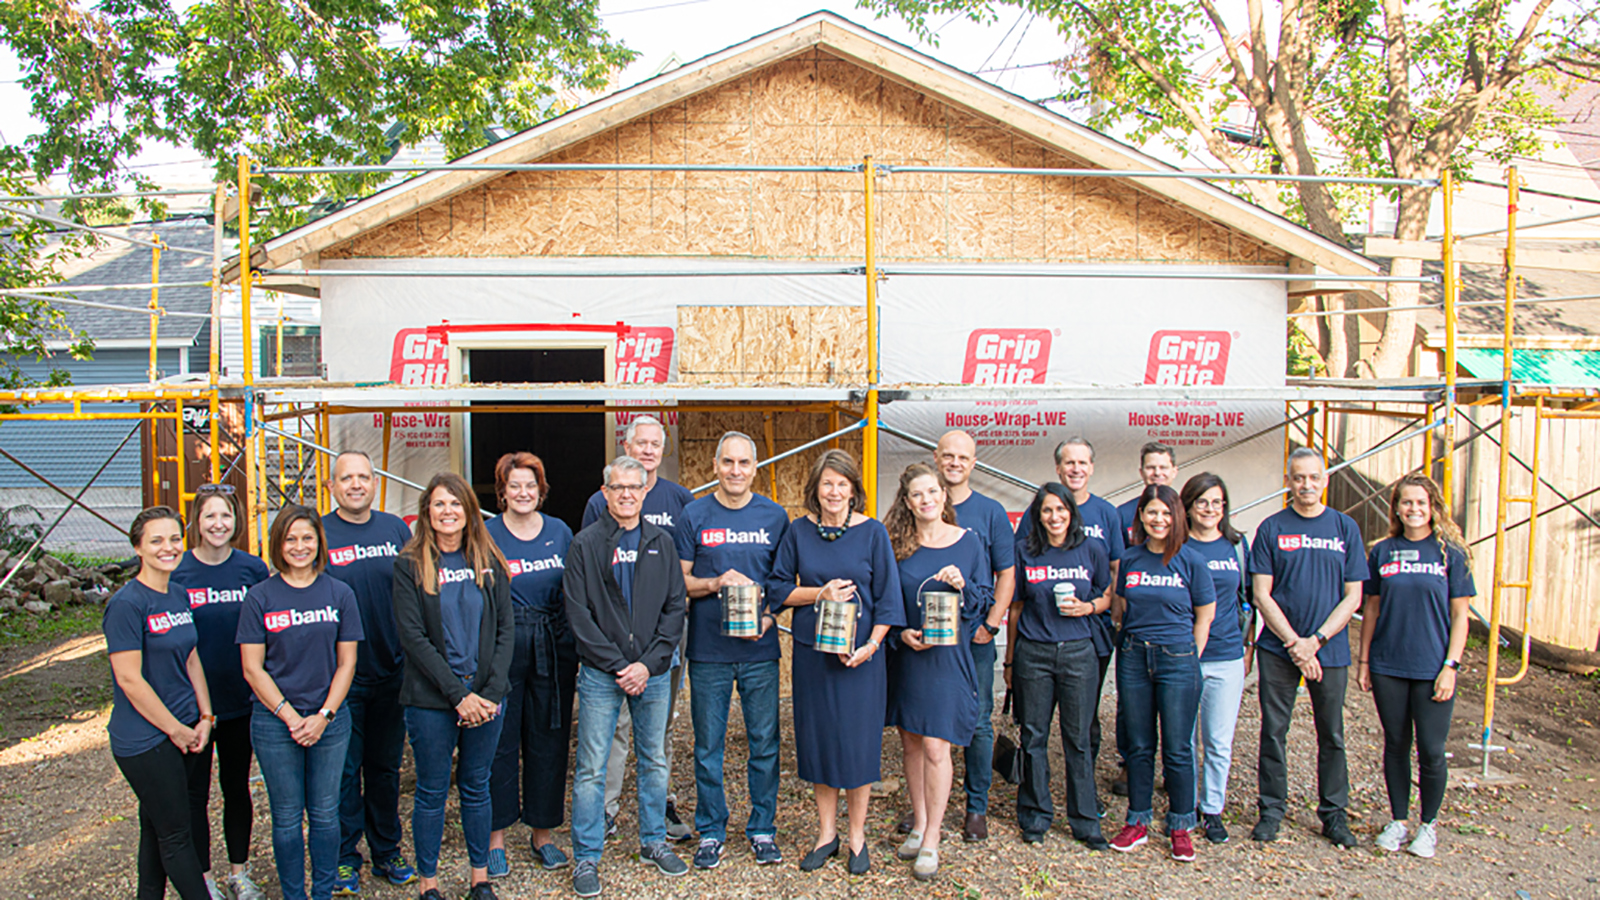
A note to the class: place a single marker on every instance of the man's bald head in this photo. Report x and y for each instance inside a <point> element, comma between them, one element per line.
<point>956,454</point>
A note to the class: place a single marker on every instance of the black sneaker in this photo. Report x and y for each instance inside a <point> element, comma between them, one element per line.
<point>676,830</point>
<point>433,894</point>
<point>1099,808</point>
<point>1096,841</point>
<point>1265,832</point>
<point>1337,831</point>
<point>765,848</point>
<point>586,879</point>
<point>611,825</point>
<point>481,891</point>
<point>1216,832</point>
<point>1033,837</point>
<point>665,861</point>
<point>709,854</point>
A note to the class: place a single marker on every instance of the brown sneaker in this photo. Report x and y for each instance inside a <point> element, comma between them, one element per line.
<point>975,829</point>
<point>906,821</point>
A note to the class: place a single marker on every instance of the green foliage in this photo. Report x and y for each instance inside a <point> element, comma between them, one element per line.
<point>20,526</point>
<point>1303,359</point>
<point>28,258</point>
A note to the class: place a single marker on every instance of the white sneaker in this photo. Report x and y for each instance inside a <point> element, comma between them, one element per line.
<point>214,891</point>
<point>1425,841</point>
<point>243,888</point>
<point>1392,836</point>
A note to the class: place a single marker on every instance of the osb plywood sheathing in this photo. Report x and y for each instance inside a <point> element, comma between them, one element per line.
<point>771,344</point>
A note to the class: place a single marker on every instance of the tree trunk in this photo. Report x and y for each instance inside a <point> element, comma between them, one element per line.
<point>1394,353</point>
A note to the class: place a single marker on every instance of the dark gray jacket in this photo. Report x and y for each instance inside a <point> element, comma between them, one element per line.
<point>609,639</point>
<point>428,681</point>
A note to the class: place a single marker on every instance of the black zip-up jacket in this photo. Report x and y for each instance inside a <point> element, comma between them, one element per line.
<point>609,639</point>
<point>428,681</point>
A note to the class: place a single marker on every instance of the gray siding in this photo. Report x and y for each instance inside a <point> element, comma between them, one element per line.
<point>68,453</point>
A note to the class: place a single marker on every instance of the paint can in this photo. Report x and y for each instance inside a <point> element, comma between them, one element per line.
<point>741,610</point>
<point>836,626</point>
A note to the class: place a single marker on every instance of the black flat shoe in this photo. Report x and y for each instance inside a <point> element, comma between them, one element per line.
<point>859,863</point>
<point>819,857</point>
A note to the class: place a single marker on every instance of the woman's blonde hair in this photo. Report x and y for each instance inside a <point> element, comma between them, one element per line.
<point>901,522</point>
<point>477,547</point>
<point>1445,530</point>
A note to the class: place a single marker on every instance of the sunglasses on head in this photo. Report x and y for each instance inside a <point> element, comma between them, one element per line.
<point>214,489</point>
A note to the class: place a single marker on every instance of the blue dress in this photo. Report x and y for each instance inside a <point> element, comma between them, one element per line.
<point>935,691</point>
<point>838,711</point>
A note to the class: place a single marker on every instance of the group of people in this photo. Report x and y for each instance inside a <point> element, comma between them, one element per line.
<point>484,641</point>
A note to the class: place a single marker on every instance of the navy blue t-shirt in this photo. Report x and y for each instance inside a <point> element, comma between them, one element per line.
<point>985,517</point>
<point>970,557</point>
<point>1162,597</point>
<point>216,594</point>
<point>460,613</point>
<point>161,627</point>
<point>1101,522</point>
<point>1310,561</point>
<point>362,556</point>
<point>717,539</point>
<point>623,560</point>
<point>536,566</point>
<point>662,507</point>
<point>1086,567</point>
<point>1414,582</point>
<point>1127,511</point>
<point>301,628</point>
<point>1222,559</point>
<point>861,555</point>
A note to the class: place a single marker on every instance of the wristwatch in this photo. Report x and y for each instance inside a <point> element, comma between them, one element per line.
<point>1452,664</point>
<point>1322,639</point>
<point>994,630</point>
<point>326,713</point>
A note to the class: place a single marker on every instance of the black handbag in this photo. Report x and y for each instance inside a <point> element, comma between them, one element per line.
<point>1008,757</point>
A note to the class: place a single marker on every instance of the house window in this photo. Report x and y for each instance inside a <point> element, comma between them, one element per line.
<point>302,352</point>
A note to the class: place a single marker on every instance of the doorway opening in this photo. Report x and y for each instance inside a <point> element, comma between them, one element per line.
<point>572,445</point>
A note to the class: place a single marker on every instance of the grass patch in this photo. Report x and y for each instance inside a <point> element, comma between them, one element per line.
<point>84,561</point>
<point>17,628</point>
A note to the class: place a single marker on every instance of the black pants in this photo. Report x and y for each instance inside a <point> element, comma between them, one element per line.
<point>232,740</point>
<point>1278,682</point>
<point>1049,677</point>
<point>1406,707</point>
<point>1104,663</point>
<point>168,826</point>
<point>538,724</point>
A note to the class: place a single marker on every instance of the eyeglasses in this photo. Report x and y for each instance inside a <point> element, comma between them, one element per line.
<point>1211,504</point>
<point>625,488</point>
<point>214,489</point>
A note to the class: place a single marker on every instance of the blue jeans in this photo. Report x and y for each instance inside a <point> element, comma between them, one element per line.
<point>1221,688</point>
<point>710,697</point>
<point>1162,682</point>
<point>979,755</point>
<point>302,788</point>
<point>600,701</point>
<point>435,738</point>
<point>377,742</point>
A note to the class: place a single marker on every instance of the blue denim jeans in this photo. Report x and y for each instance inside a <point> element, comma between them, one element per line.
<point>979,755</point>
<point>710,698</point>
<point>435,739</point>
<point>600,701</point>
<point>302,790</point>
<point>1221,688</point>
<point>1162,682</point>
<point>369,792</point>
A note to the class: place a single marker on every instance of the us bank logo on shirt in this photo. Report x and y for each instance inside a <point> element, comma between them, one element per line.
<point>1037,574</point>
<point>524,566</point>
<point>1403,562</point>
<point>199,597</point>
<point>1231,564</point>
<point>716,537</point>
<point>344,556</point>
<point>660,520</point>
<point>161,623</point>
<point>624,556</point>
<point>451,576</point>
<point>1094,531</point>
<point>288,618</point>
<point>1289,543</point>
<point>1145,579</point>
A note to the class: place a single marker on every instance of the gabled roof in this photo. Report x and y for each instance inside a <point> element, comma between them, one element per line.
<point>847,39</point>
<point>118,262</point>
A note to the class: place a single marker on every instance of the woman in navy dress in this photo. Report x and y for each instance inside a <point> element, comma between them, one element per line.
<point>544,666</point>
<point>1167,601</point>
<point>935,701</point>
<point>836,553</point>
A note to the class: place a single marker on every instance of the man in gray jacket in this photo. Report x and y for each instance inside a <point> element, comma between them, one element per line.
<point>625,600</point>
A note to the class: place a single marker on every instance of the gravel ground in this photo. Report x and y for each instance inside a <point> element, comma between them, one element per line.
<point>68,829</point>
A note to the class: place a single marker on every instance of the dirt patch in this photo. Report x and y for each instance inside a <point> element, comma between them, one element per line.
<point>67,819</point>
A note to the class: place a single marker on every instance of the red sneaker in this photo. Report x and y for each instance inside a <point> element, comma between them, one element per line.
<point>1131,837</point>
<point>1182,845</point>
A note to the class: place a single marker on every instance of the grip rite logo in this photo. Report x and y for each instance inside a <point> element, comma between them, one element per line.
<point>1007,356</point>
<point>644,355</point>
<point>1188,357</point>
<point>419,359</point>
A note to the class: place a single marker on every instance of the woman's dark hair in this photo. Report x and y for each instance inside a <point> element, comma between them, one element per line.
<point>145,517</point>
<point>279,532</point>
<point>521,459</point>
<point>1199,484</point>
<point>843,463</point>
<point>1037,540</point>
<point>477,548</point>
<point>1180,527</point>
<point>201,498</point>
<point>901,522</point>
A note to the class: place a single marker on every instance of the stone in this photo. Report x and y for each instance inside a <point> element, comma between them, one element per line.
<point>37,607</point>
<point>59,592</point>
<point>54,566</point>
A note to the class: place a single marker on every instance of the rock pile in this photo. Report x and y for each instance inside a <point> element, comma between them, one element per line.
<point>44,583</point>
